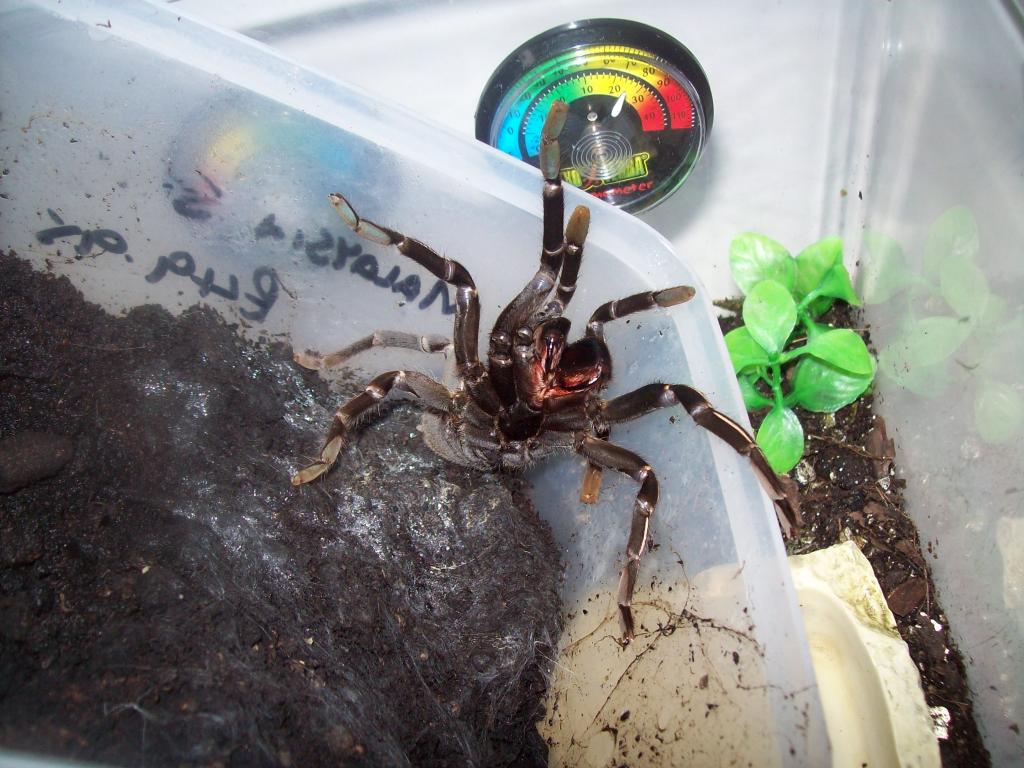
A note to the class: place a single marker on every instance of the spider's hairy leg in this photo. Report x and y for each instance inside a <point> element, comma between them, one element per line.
<point>590,489</point>
<point>638,302</point>
<point>611,456</point>
<point>518,311</point>
<point>653,396</point>
<point>430,393</point>
<point>551,167</point>
<point>575,236</point>
<point>612,310</point>
<point>385,339</point>
<point>467,303</point>
<point>582,420</point>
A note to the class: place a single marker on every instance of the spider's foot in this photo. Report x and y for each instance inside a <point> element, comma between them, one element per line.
<point>579,226</point>
<point>626,624</point>
<point>309,359</point>
<point>672,296</point>
<point>344,209</point>
<point>591,489</point>
<point>309,474</point>
<point>327,458</point>
<point>555,121</point>
<point>550,161</point>
<point>360,226</point>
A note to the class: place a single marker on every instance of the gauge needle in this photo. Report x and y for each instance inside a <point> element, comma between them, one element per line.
<point>618,105</point>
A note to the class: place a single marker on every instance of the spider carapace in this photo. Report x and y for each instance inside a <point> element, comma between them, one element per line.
<point>537,394</point>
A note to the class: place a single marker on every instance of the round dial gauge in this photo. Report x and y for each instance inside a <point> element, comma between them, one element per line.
<point>640,108</point>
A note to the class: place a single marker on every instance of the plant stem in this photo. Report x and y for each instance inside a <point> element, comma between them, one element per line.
<point>801,308</point>
<point>776,383</point>
<point>793,353</point>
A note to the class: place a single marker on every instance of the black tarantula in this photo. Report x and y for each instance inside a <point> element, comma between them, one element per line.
<point>537,394</point>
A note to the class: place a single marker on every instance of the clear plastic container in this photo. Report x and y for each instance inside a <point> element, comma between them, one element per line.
<point>831,118</point>
<point>940,251</point>
<point>153,159</point>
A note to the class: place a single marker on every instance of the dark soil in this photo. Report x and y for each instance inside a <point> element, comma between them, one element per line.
<point>167,598</point>
<point>850,489</point>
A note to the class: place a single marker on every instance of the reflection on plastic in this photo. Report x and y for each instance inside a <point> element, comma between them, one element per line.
<point>945,328</point>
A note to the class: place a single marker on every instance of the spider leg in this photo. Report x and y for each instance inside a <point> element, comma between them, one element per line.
<point>612,310</point>
<point>638,302</point>
<point>590,489</point>
<point>431,394</point>
<point>467,312</point>
<point>610,456</point>
<point>387,339</point>
<point>575,235</point>
<point>653,396</point>
<point>581,420</point>
<point>533,294</point>
<point>551,167</point>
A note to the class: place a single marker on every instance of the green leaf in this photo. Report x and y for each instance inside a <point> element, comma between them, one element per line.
<point>752,399</point>
<point>963,286</point>
<point>998,412</point>
<point>770,315</point>
<point>1000,354</point>
<point>743,350</point>
<point>782,439</point>
<point>814,261</point>
<point>842,348</point>
<point>919,360</point>
<point>995,312</point>
<point>954,233</point>
<point>883,269</point>
<point>928,381</point>
<point>836,283</point>
<point>814,330</point>
<point>754,258</point>
<point>820,306</point>
<point>931,340</point>
<point>821,387</point>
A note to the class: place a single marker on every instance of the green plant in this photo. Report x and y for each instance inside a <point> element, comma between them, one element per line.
<point>950,329</point>
<point>782,347</point>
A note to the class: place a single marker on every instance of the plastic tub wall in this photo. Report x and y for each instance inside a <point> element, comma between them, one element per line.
<point>943,181</point>
<point>845,117</point>
<point>781,74</point>
<point>138,136</point>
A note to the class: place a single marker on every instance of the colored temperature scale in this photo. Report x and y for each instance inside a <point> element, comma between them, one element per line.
<point>639,108</point>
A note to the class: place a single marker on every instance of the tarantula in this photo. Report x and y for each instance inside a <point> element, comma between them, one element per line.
<point>537,394</point>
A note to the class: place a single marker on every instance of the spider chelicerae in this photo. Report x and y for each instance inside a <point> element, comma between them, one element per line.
<point>537,394</point>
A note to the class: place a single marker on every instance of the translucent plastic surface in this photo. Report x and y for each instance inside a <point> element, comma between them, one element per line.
<point>780,72</point>
<point>155,160</point>
<point>872,120</point>
<point>942,275</point>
